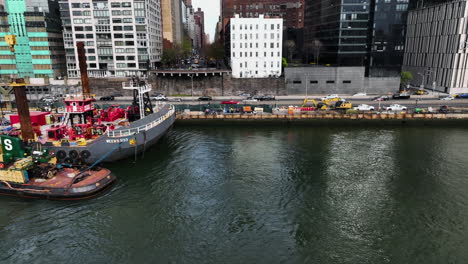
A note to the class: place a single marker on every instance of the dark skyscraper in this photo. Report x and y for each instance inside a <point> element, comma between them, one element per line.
<point>366,33</point>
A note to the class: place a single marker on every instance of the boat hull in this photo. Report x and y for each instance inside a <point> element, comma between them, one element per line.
<point>60,193</point>
<point>113,148</point>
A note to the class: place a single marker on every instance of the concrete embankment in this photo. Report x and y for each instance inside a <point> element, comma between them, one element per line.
<point>323,119</point>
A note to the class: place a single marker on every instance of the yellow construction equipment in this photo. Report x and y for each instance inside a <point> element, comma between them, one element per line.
<point>319,106</point>
<point>331,100</point>
<point>11,42</point>
<point>343,105</point>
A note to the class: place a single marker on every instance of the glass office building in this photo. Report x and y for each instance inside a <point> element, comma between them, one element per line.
<point>368,33</point>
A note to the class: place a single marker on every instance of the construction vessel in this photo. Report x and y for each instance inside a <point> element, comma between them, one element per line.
<point>82,134</point>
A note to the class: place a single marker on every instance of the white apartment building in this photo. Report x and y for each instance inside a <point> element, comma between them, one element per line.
<point>436,50</point>
<point>122,38</point>
<point>256,47</point>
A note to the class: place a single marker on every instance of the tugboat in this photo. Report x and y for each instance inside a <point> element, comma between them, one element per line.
<point>33,173</point>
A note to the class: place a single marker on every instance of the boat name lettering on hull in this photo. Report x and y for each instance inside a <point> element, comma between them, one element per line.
<point>120,140</point>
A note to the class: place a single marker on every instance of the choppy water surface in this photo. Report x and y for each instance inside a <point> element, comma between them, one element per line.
<point>263,195</point>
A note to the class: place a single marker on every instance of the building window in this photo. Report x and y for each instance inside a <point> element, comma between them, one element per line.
<point>330,81</point>
<point>347,81</point>
<point>313,81</point>
<point>297,82</point>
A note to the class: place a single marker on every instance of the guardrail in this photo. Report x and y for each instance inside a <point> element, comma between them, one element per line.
<point>137,130</point>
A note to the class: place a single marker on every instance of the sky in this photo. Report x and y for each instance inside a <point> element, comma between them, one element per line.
<point>211,9</point>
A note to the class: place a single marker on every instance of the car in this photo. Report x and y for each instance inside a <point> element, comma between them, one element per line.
<point>360,94</point>
<point>175,99</point>
<point>229,102</point>
<point>49,99</point>
<point>250,100</point>
<point>381,98</point>
<point>448,98</point>
<point>107,98</point>
<point>205,98</point>
<point>330,96</point>
<point>244,94</point>
<point>364,107</point>
<point>268,98</point>
<point>396,107</point>
<point>402,95</point>
<point>444,109</point>
<point>160,97</point>
<point>420,92</point>
<point>462,95</point>
<point>264,97</point>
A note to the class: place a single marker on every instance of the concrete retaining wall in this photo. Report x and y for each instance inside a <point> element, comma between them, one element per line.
<point>202,85</point>
<point>339,80</point>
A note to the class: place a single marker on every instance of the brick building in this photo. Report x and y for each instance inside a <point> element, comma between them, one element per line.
<point>292,11</point>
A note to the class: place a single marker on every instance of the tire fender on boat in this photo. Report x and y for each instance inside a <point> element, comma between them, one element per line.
<point>61,154</point>
<point>73,154</point>
<point>85,154</point>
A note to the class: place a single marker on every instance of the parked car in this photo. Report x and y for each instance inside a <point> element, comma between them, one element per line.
<point>444,109</point>
<point>364,107</point>
<point>403,95</point>
<point>448,98</point>
<point>49,99</point>
<point>250,100</point>
<point>382,98</point>
<point>160,97</point>
<point>360,94</point>
<point>107,98</point>
<point>229,102</point>
<point>205,98</point>
<point>396,107</point>
<point>330,96</point>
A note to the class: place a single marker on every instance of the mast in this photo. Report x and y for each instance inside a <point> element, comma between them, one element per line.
<point>19,85</point>
<point>83,68</point>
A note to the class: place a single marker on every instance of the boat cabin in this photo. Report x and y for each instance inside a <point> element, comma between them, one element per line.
<point>78,105</point>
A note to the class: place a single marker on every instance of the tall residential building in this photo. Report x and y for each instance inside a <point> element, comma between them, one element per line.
<point>190,24</point>
<point>200,27</point>
<point>256,47</point>
<point>366,33</point>
<point>436,51</point>
<point>121,38</point>
<point>172,22</point>
<point>39,52</point>
<point>292,11</point>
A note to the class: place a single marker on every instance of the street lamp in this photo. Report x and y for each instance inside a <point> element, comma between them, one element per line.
<point>191,91</point>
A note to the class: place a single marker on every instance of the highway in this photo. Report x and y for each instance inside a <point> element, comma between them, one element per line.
<point>286,101</point>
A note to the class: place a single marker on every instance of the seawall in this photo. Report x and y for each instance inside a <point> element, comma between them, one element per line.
<point>332,119</point>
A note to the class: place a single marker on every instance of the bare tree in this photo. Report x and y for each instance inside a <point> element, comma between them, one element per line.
<point>291,46</point>
<point>316,47</point>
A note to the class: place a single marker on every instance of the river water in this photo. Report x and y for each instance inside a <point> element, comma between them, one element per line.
<point>263,195</point>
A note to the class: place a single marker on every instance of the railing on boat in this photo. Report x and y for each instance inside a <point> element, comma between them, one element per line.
<point>137,130</point>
